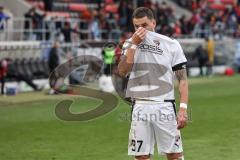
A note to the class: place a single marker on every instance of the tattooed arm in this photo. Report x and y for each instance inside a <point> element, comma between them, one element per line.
<point>126,62</point>
<point>181,76</point>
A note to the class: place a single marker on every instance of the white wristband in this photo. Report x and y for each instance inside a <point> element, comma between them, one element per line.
<point>133,46</point>
<point>183,105</point>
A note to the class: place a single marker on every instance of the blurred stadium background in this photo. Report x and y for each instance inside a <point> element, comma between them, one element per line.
<point>38,35</point>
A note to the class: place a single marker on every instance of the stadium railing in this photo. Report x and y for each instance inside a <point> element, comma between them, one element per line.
<point>15,29</point>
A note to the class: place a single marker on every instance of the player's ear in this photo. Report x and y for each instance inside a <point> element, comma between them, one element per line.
<point>154,23</point>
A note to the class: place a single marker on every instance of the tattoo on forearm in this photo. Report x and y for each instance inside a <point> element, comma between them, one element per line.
<point>124,67</point>
<point>181,74</point>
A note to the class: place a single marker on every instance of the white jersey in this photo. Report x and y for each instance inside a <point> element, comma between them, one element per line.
<point>155,60</point>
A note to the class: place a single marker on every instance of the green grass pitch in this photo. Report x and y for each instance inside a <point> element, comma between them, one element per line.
<point>29,129</point>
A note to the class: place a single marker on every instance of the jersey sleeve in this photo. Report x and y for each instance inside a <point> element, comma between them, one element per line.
<point>179,60</point>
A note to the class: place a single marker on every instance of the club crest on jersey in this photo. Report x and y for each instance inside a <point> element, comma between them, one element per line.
<point>156,42</point>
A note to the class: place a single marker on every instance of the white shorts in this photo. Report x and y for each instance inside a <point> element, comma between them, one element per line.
<point>154,123</point>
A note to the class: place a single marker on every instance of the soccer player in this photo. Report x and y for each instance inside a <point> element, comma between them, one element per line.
<point>151,60</point>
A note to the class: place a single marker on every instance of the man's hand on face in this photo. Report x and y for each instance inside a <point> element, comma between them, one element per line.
<point>139,35</point>
<point>182,118</point>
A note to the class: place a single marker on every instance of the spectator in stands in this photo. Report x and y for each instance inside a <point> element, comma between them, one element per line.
<point>218,29</point>
<point>122,11</point>
<point>114,26</point>
<point>148,3</point>
<point>67,31</point>
<point>187,26</point>
<point>162,19</point>
<point>185,3</point>
<point>109,25</point>
<point>53,62</point>
<point>3,21</point>
<point>59,22</point>
<point>167,22</point>
<point>211,51</point>
<point>237,64</point>
<point>232,23</point>
<point>53,59</point>
<point>177,29</point>
<point>35,23</point>
<point>195,19</point>
<point>202,56</point>
<point>140,3</point>
<point>99,4</point>
<point>50,25</point>
<point>171,15</point>
<point>129,18</point>
<point>28,25</point>
<point>3,18</point>
<point>126,12</point>
<point>104,26</point>
<point>48,5</point>
<point>95,26</point>
<point>237,33</point>
<point>3,74</point>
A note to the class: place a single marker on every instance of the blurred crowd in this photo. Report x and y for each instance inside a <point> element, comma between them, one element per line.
<point>167,21</point>
<point>95,24</point>
<point>102,23</point>
<point>116,23</point>
<point>105,24</point>
<point>41,27</point>
<point>112,20</point>
<point>214,19</point>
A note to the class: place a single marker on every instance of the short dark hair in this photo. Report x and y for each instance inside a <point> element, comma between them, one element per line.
<point>143,12</point>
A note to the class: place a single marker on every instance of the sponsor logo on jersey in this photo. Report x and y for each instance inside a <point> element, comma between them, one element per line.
<point>151,48</point>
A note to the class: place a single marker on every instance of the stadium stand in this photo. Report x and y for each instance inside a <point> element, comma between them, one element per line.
<point>106,20</point>
<point>214,17</point>
<point>112,14</point>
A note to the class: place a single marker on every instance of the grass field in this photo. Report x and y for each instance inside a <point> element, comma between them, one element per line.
<point>29,129</point>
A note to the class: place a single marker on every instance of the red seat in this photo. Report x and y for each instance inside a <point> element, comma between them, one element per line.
<point>222,1</point>
<point>77,7</point>
<point>218,6</point>
<point>58,14</point>
<point>39,5</point>
<point>228,2</point>
<point>86,15</point>
<point>111,8</point>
